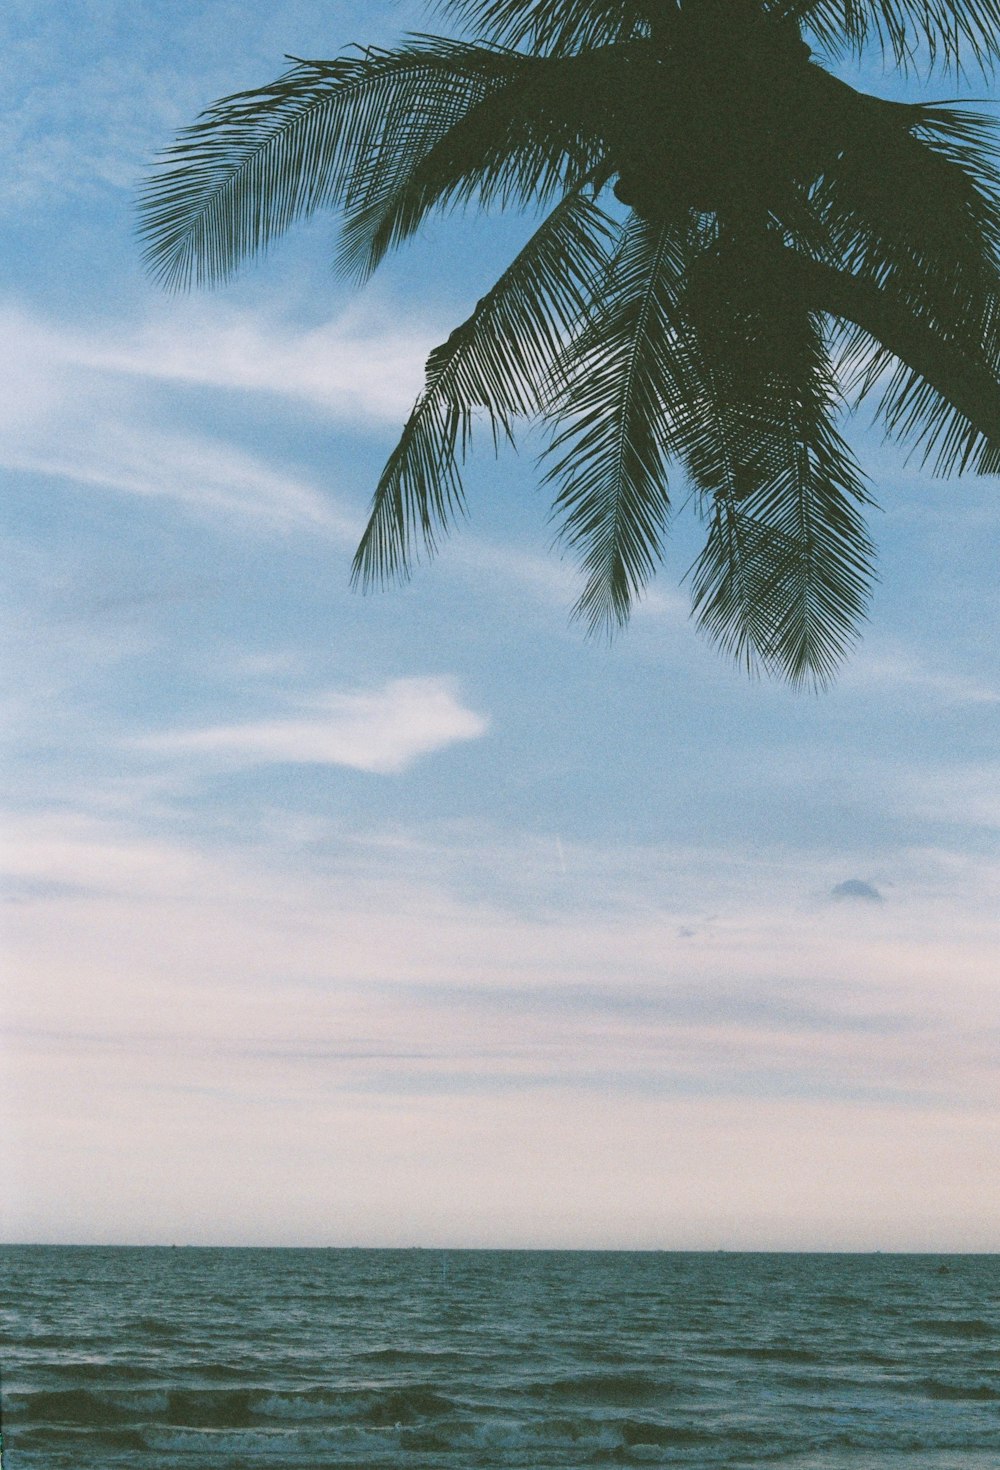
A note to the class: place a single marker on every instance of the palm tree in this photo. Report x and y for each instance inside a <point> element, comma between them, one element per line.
<point>733,247</point>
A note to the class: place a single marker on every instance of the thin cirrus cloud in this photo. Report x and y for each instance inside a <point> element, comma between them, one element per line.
<point>280,1006</point>
<point>360,365</point>
<point>209,478</point>
<point>902,670</point>
<point>382,731</point>
<point>67,412</point>
<point>355,366</point>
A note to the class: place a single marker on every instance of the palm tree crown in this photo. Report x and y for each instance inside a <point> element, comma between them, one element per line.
<point>733,245</point>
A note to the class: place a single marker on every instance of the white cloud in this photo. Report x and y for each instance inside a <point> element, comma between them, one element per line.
<point>332,1024</point>
<point>205,476</point>
<point>64,412</point>
<point>962,794</point>
<point>90,408</point>
<point>360,365</point>
<point>382,731</point>
<point>898,669</point>
<point>363,364</point>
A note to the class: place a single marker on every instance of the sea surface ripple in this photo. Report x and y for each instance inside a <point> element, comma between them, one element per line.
<point>226,1359</point>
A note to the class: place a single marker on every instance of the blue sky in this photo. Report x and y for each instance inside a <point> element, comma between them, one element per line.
<point>418,917</point>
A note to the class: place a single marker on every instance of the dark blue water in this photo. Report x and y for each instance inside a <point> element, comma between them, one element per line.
<point>296,1358</point>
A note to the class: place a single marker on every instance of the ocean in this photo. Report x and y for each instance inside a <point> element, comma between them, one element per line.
<point>226,1359</point>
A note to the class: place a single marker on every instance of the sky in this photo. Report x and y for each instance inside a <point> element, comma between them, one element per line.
<point>418,917</point>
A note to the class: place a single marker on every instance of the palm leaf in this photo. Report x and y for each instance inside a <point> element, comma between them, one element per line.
<point>871,228</point>
<point>551,27</point>
<point>951,34</point>
<point>783,581</point>
<point>620,386</point>
<point>948,392</point>
<point>258,161</point>
<point>524,143</point>
<point>495,360</point>
<point>911,198</point>
<point>911,210</point>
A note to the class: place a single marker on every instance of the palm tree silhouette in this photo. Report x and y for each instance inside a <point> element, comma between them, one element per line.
<point>733,246</point>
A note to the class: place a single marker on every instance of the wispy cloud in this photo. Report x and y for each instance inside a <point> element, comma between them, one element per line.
<point>92,105</point>
<point>363,364</point>
<point>317,1021</point>
<point>963,794</point>
<point>360,365</point>
<point>382,731</point>
<point>66,412</point>
<point>898,669</point>
<point>553,577</point>
<point>207,477</point>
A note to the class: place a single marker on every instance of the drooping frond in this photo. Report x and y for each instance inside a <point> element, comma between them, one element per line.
<point>783,581</point>
<point>930,307</point>
<point>496,360</point>
<point>256,162</point>
<point>943,394</point>
<point>954,35</point>
<point>524,143</point>
<point>779,219</point>
<point>550,27</point>
<point>908,227</point>
<point>911,195</point>
<point>619,388</point>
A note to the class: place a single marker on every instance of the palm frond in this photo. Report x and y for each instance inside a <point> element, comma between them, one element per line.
<point>915,412</point>
<point>779,215</point>
<point>783,581</point>
<point>257,161</point>
<point>910,247</point>
<point>495,360</point>
<point>550,27</point>
<point>948,394</point>
<point>952,35</point>
<point>524,143</point>
<point>912,196</point>
<point>619,388</point>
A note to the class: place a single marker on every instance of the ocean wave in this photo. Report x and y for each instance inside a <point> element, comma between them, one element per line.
<point>402,1405</point>
<point>771,1354</point>
<point>230,1408</point>
<point>295,1406</point>
<point>108,1371</point>
<point>99,1442</point>
<point>241,1408</point>
<point>66,1406</point>
<point>246,1446</point>
<point>392,1357</point>
<point>970,1327</point>
<point>821,1383</point>
<point>621,1389</point>
<point>156,1327</point>
<point>60,1341</point>
<point>634,1367</point>
<point>936,1388</point>
<point>211,1408</point>
<point>501,1436</point>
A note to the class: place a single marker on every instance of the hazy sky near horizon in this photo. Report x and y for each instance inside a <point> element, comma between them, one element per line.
<point>418,918</point>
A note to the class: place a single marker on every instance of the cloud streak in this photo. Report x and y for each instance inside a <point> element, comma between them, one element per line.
<point>382,731</point>
<point>327,1022</point>
<point>359,365</point>
<point>207,477</point>
<point>93,410</point>
<point>901,670</point>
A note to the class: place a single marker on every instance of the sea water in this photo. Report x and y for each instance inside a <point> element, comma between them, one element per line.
<point>225,1359</point>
